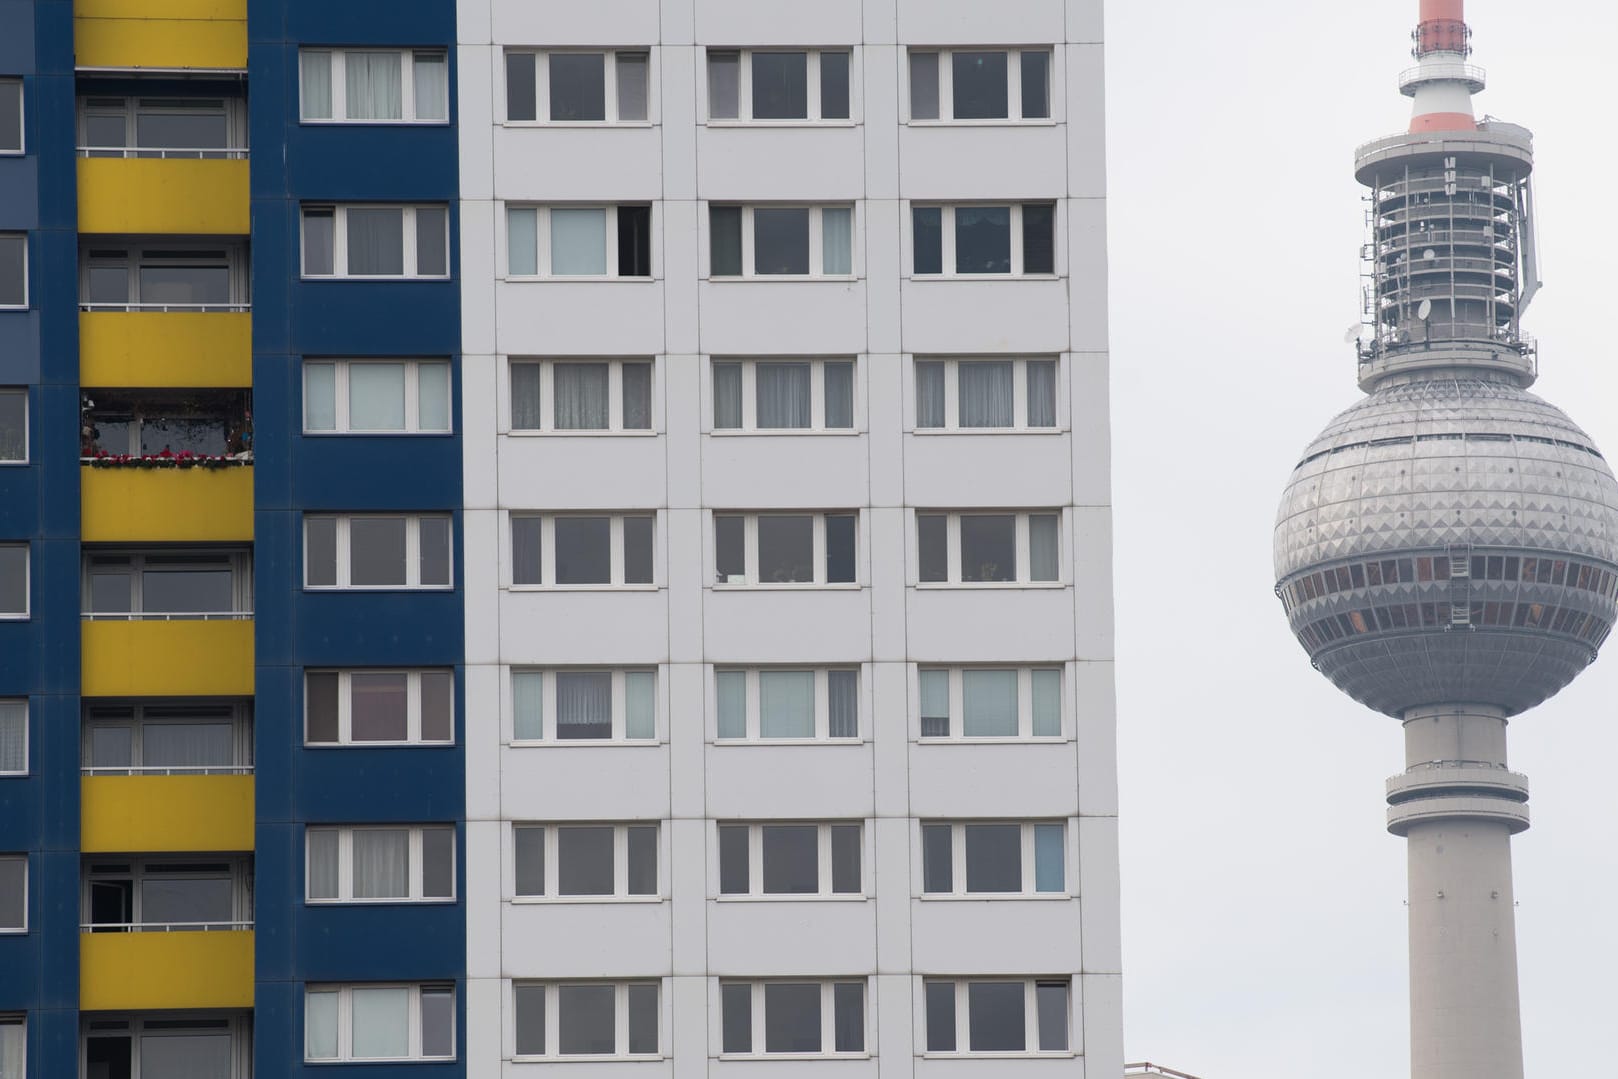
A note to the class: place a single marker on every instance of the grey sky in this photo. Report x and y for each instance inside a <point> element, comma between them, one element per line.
<point>1264,929</point>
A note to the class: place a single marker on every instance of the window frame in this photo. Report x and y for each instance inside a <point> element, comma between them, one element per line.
<point>812,87</point>
<point>130,108</point>
<point>136,1028</point>
<point>816,238</point>
<point>552,867</point>
<point>149,711</point>
<point>1020,391</point>
<point>416,867</point>
<point>240,565</point>
<point>824,868</point>
<point>345,707</point>
<point>133,258</point>
<point>407,86</point>
<point>1031,1026</point>
<point>543,270</point>
<point>609,74</point>
<point>750,551</point>
<point>946,86</point>
<point>1022,526</point>
<point>343,552</point>
<point>345,1020</point>
<point>21,149</point>
<point>20,392</point>
<point>956,675</point>
<point>818,367</point>
<point>754,713</point>
<point>342,391</point>
<point>408,240</point>
<point>22,236</point>
<point>948,241</point>
<point>546,373</point>
<point>1027,853</point>
<point>19,707</point>
<point>138,870</point>
<point>27,582</point>
<point>620,710</point>
<point>551,1019</point>
<point>616,557</point>
<point>828,1017</point>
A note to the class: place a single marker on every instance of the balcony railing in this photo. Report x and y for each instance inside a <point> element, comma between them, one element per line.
<point>164,927</point>
<point>236,307</point>
<point>167,770</point>
<point>165,153</point>
<point>166,616</point>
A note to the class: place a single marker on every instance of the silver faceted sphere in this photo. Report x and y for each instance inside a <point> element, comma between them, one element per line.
<point>1450,540</point>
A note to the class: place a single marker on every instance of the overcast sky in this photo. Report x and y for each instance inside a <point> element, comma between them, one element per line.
<point>1264,919</point>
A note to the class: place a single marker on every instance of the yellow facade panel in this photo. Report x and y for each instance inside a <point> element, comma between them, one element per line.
<point>208,34</point>
<point>167,659</point>
<point>156,813</point>
<point>161,9</point>
<point>166,348</point>
<point>163,196</point>
<point>166,505</point>
<point>156,971</point>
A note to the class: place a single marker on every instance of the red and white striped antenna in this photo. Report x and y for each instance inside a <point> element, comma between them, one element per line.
<point>1442,82</point>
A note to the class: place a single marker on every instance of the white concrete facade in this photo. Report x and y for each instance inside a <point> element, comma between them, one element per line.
<point>888,936</point>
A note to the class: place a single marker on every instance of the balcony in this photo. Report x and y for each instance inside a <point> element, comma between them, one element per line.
<point>158,813</point>
<point>163,658</point>
<point>165,970</point>
<point>205,34</point>
<point>161,505</point>
<point>135,345</point>
<point>147,196</point>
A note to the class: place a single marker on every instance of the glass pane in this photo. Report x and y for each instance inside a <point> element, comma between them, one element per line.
<point>525,550</point>
<point>584,860</point>
<point>643,1013</point>
<point>583,704</point>
<point>837,237</point>
<point>929,393</point>
<point>437,1022</point>
<point>381,863</point>
<point>373,82</point>
<point>786,549</point>
<point>381,1023</point>
<point>734,860</point>
<point>432,241</point>
<point>13,737</point>
<point>13,892</point>
<point>927,229</point>
<point>637,550</point>
<point>637,379</point>
<point>520,86</point>
<point>989,547</point>
<point>432,393</point>
<point>729,542</point>
<point>105,132</point>
<point>530,859</point>
<point>185,901</point>
<point>1036,85</point>
<point>197,285</point>
<point>993,857</point>
<point>786,704</point>
<point>839,396</point>
<point>112,747</point>
<point>780,85</point>
<point>376,551</point>
<point>791,859</point>
<point>727,396</point>
<point>522,250</point>
<point>376,396</point>
<point>438,863</point>
<point>107,284</point>
<point>736,1018</point>
<point>1050,874</point>
<point>318,232</point>
<point>995,1017</point>
<point>986,393</point>
<point>1047,693</point>
<point>842,704</point>
<point>181,129</point>
<point>525,414</point>
<point>631,71</point>
<point>527,708</point>
<point>375,241</point>
<point>320,1025</point>
<point>322,863</point>
<point>188,745</point>
<point>432,86</point>
<point>580,391</point>
<point>1038,237</point>
<point>940,1017</point>
<point>980,85</point>
<point>642,860</point>
<point>937,858</point>
<point>932,546</point>
<point>187,591</point>
<point>319,552</point>
<point>989,704</point>
<point>433,544</point>
<point>578,86</point>
<point>782,392</point>
<point>528,1001</point>
<point>840,546</point>
<point>845,859</point>
<point>781,240</point>
<point>848,1017</point>
<point>731,689</point>
<point>320,706</point>
<point>724,78</point>
<point>725,241</point>
<point>934,704</point>
<point>316,85</point>
<point>640,705</point>
<point>583,550</point>
<point>578,242</point>
<point>1043,559</point>
<point>834,86</point>
<point>791,1018</point>
<point>319,397</point>
<point>13,273</point>
<point>10,133</point>
<point>982,239</point>
<point>924,86</point>
<point>1042,393</point>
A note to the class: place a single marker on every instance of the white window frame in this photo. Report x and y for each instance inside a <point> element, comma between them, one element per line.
<point>1024,551</point>
<point>620,862</point>
<point>27,584</point>
<point>946,86</point>
<point>149,712</point>
<point>609,73</point>
<point>817,396</point>
<point>553,1011</point>
<point>22,121</point>
<point>1025,703</point>
<point>131,107</point>
<point>947,241</point>
<point>341,370</point>
<point>755,863</point>
<point>345,865</point>
<point>345,1019</point>
<point>1028,848</point>
<point>750,550</point>
<point>744,88</point>
<point>339,86</point>
<point>240,564</point>
<point>620,710</point>
<point>344,567</point>
<point>138,871</point>
<point>547,397</point>
<point>27,416</point>
<point>18,706</point>
<point>816,242</point>
<point>339,256</point>
<point>133,257</point>
<point>755,714</point>
<point>23,306</point>
<point>345,707</point>
<point>828,1018</point>
<point>952,396</point>
<point>547,552</point>
<point>963,1018</point>
<point>18,930</point>
<point>134,1027</point>
<point>542,241</point>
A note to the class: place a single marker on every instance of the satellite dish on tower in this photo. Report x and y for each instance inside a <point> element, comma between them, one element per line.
<point>1424,310</point>
<point>1352,334</point>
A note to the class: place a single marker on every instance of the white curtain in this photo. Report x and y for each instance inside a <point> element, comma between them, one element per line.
<point>376,396</point>
<point>583,703</point>
<point>929,393</point>
<point>837,240</point>
<point>431,86</point>
<point>578,242</point>
<point>375,241</point>
<point>1047,703</point>
<point>528,704</point>
<point>842,704</point>
<point>1042,393</point>
<point>727,396</point>
<point>432,241</point>
<point>13,1050</point>
<point>374,82</point>
<point>580,393</point>
<point>432,393</point>
<point>989,703</point>
<point>319,397</point>
<point>522,241</point>
<point>525,551</point>
<point>782,391</point>
<point>637,379</point>
<point>631,73</point>
<point>525,413</point>
<point>320,1024</point>
<point>640,706</point>
<point>316,86</point>
<point>935,703</point>
<point>13,746</point>
<point>986,393</point>
<point>322,862</point>
<point>1042,553</point>
<point>786,704</point>
<point>381,1022</point>
<point>731,687</point>
<point>188,745</point>
<point>839,395</point>
<point>381,863</point>
<point>924,86</point>
<point>318,247</point>
<point>724,78</point>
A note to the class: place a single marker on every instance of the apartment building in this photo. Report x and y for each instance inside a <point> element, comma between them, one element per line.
<point>540,535</point>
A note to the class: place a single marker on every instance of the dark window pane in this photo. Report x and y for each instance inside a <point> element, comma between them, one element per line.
<point>927,228</point>
<point>376,548</point>
<point>578,86</point>
<point>786,549</point>
<point>733,860</point>
<point>937,858</point>
<point>995,1017</point>
<point>781,240</point>
<point>980,85</point>
<point>525,564</point>
<point>184,901</point>
<point>437,1023</point>
<point>434,544</point>
<point>1038,237</point>
<point>1036,85</point>
<point>941,1017</point>
<point>378,709</point>
<point>840,545</point>
<point>982,239</point>
<point>187,591</point>
<point>583,704</point>
<point>924,86</point>
<point>642,860</point>
<point>584,1019</point>
<point>634,241</point>
<point>637,379</point>
<point>791,1018</point>
<point>11,116</point>
<point>432,241</point>
<point>320,706</point>
<point>725,241</point>
<point>583,550</point>
<point>845,859</point>
<point>989,547</point>
<point>736,1018</point>
<point>848,1017</point>
<point>834,86</point>
<point>519,87</point>
<point>932,546</point>
<point>637,550</point>
<point>529,1003</point>
<point>780,85</point>
<point>643,1012</point>
<point>584,860</point>
<point>994,857</point>
<point>1051,1000</point>
<point>729,549</point>
<point>320,551</point>
<point>317,246</point>
<point>530,857</point>
<point>791,859</point>
<point>375,242</point>
<point>724,74</point>
<point>438,863</point>
<point>437,706</point>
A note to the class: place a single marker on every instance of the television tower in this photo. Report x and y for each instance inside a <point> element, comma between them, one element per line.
<point>1447,549</point>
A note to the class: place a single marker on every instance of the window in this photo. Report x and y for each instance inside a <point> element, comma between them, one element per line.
<point>777,549</point>
<point>781,241</point>
<point>985,702</point>
<point>975,241</point>
<point>790,859</point>
<point>805,705</point>
<point>13,580</point>
<point>584,706</point>
<point>395,397</point>
<point>776,86</point>
<point>13,1046</point>
<point>13,426</point>
<point>195,894</point>
<point>988,548</point>
<point>168,127</point>
<point>13,893</point>
<point>995,84</point>
<point>376,551</point>
<point>985,394</point>
<point>585,861</point>
<point>381,864</point>
<point>148,421</point>
<point>585,551</point>
<point>375,241</point>
<point>13,269</point>
<point>994,858</point>
<point>586,1019</point>
<point>163,278</point>
<point>783,395</point>
<point>819,1018</point>
<point>11,142</point>
<point>187,737</point>
<point>373,86</point>
<point>997,1016</point>
<point>579,241</point>
<point>581,395</point>
<point>184,585</point>
<point>167,1044</point>
<point>379,1022</point>
<point>607,87</point>
<point>378,707</point>
<point>14,737</point>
